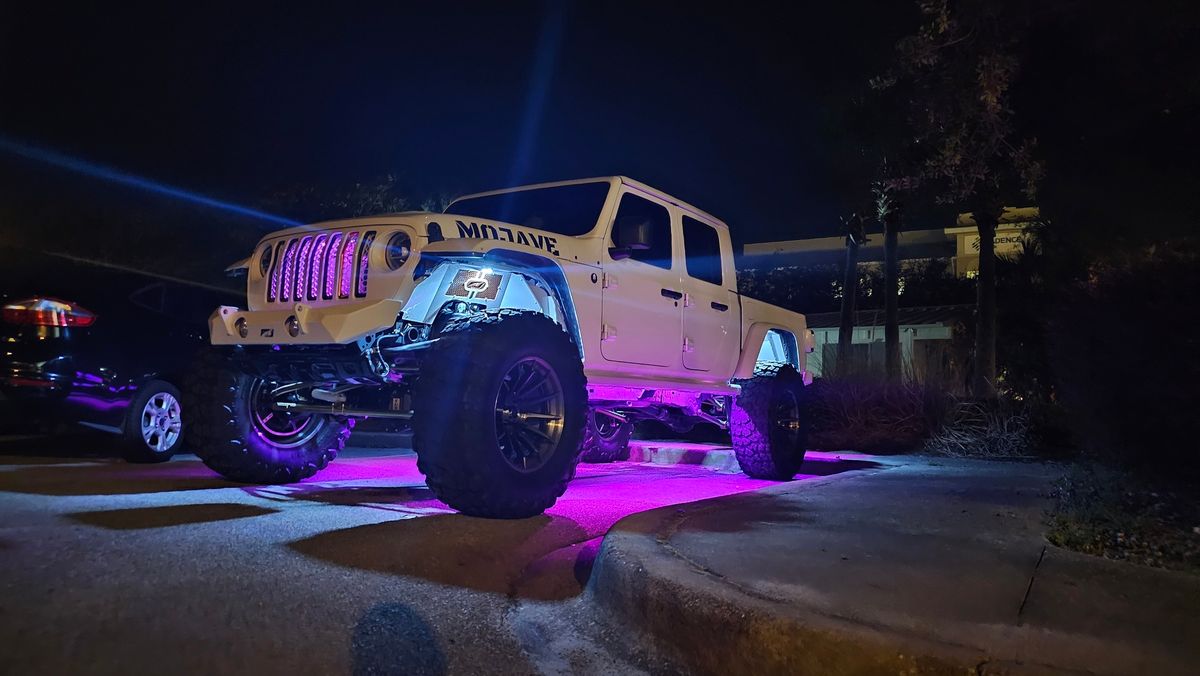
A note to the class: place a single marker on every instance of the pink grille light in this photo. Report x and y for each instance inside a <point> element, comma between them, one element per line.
<point>314,274</point>
<point>364,263</point>
<point>289,270</point>
<point>302,266</point>
<point>331,265</point>
<point>346,272</point>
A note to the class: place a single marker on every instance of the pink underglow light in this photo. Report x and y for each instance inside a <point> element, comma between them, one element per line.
<point>302,266</point>
<point>331,265</point>
<point>346,271</point>
<point>289,270</point>
<point>314,275</point>
<point>364,263</point>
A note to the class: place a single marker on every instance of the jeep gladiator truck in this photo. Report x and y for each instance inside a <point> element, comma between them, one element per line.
<point>518,332</point>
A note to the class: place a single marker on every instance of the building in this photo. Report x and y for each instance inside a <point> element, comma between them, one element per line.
<point>959,245</point>
<point>927,334</point>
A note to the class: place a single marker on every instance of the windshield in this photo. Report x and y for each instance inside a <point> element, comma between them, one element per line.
<point>566,209</point>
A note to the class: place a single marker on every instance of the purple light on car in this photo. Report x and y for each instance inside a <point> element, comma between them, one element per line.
<point>289,270</point>
<point>346,271</point>
<point>364,262</point>
<point>302,265</point>
<point>276,272</point>
<point>314,274</point>
<point>331,265</point>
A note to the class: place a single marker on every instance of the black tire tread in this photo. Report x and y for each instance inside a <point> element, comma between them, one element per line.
<point>466,486</point>
<point>217,436</point>
<point>750,416</point>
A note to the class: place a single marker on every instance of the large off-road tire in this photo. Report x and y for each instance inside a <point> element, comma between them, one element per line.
<point>237,436</point>
<point>605,439</point>
<point>499,410</point>
<point>768,422</point>
<point>154,424</point>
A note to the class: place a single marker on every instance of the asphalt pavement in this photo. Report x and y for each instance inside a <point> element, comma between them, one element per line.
<point>108,567</point>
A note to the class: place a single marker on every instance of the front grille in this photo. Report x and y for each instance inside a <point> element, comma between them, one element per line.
<point>320,267</point>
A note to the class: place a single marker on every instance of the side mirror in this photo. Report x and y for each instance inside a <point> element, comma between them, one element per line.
<point>631,236</point>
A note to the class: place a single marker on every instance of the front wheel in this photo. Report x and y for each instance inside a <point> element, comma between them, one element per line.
<point>768,423</point>
<point>238,433</point>
<point>499,410</point>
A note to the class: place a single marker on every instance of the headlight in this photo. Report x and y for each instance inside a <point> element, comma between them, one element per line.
<point>399,247</point>
<point>264,261</point>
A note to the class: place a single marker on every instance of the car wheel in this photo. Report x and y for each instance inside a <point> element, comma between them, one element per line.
<point>236,432</point>
<point>768,422</point>
<point>154,428</point>
<point>606,438</point>
<point>499,410</point>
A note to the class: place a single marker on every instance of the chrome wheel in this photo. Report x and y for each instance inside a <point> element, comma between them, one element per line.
<point>529,414</point>
<point>280,428</point>
<point>161,422</point>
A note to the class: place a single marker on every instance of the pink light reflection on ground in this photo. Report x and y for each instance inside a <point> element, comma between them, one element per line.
<point>599,496</point>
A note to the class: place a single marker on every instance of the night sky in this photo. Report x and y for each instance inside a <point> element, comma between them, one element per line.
<point>737,111</point>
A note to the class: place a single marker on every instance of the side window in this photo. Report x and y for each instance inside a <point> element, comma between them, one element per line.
<point>634,209</point>
<point>702,248</point>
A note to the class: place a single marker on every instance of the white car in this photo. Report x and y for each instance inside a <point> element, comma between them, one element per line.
<point>518,331</point>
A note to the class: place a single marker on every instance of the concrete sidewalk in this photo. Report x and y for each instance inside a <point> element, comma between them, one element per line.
<point>922,566</point>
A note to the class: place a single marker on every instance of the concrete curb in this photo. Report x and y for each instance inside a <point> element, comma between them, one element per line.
<point>709,624</point>
<point>712,456</point>
<point>726,622</point>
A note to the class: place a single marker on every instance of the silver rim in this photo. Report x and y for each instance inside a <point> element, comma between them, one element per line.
<point>161,423</point>
<point>529,414</point>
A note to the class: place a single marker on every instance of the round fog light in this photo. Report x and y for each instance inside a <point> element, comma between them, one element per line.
<point>293,326</point>
<point>242,329</point>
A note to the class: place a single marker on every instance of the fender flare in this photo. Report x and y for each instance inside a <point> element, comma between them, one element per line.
<point>755,335</point>
<point>541,269</point>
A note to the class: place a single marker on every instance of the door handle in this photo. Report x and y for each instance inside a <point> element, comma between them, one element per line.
<point>719,307</point>
<point>673,294</point>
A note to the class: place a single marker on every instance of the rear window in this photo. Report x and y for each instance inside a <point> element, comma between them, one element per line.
<point>566,209</point>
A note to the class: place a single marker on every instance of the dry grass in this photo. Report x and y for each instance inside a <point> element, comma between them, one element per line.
<point>983,430</point>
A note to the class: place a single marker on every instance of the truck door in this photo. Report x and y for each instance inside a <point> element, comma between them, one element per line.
<point>711,321</point>
<point>642,296</point>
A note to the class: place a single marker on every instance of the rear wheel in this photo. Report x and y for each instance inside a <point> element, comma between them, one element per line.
<point>154,429</point>
<point>768,422</point>
<point>606,437</point>
<point>238,433</point>
<point>499,411</point>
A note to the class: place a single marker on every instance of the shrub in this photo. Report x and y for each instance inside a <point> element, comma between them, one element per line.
<point>982,429</point>
<point>869,415</point>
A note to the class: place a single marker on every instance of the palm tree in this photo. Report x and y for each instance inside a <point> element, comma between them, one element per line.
<point>854,225</point>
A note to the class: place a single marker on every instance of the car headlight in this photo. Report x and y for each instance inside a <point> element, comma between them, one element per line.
<point>264,261</point>
<point>399,247</point>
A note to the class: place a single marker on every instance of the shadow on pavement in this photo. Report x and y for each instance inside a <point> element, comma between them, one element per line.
<point>40,449</point>
<point>392,638</point>
<point>351,496</point>
<point>821,466</point>
<point>113,477</point>
<point>174,515</point>
<point>488,555</point>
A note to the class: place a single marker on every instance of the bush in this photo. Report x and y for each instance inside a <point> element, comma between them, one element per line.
<point>982,429</point>
<point>872,416</point>
<point>1126,360</point>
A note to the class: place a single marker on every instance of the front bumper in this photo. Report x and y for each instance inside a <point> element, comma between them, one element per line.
<point>332,325</point>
